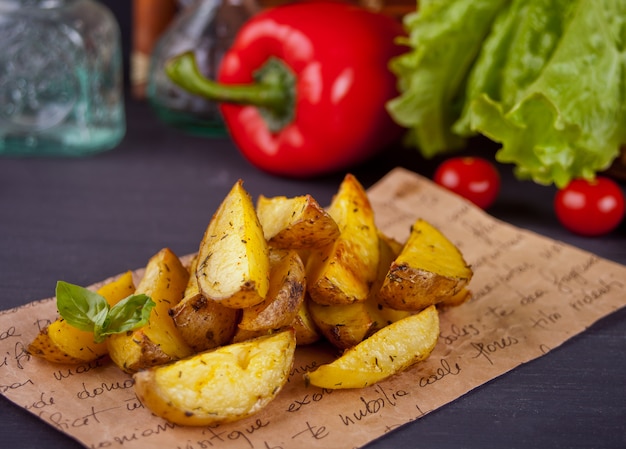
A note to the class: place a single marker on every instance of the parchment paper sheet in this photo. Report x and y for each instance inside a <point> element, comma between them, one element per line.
<point>530,294</point>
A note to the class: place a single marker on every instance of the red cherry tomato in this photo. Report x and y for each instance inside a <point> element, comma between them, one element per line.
<point>590,208</point>
<point>474,178</point>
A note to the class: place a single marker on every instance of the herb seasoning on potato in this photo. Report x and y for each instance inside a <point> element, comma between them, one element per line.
<point>221,340</point>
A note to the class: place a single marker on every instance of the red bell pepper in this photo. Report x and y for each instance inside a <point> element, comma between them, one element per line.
<point>303,87</point>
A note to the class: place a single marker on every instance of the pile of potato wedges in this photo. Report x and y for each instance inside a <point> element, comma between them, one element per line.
<point>268,277</point>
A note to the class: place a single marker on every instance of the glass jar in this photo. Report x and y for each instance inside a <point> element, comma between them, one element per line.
<point>207,27</point>
<point>61,79</point>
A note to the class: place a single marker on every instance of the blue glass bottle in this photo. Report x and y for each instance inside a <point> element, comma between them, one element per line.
<point>61,78</point>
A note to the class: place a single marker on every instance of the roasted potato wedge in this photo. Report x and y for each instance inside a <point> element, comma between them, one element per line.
<point>296,223</point>
<point>390,248</point>
<point>343,272</point>
<point>158,341</point>
<point>43,347</point>
<point>233,259</point>
<point>62,343</point>
<point>380,314</point>
<point>306,331</point>
<point>222,385</point>
<point>429,270</point>
<point>285,294</point>
<point>456,300</point>
<point>220,343</point>
<point>203,323</point>
<point>343,325</point>
<point>346,325</point>
<point>391,350</point>
<point>242,335</point>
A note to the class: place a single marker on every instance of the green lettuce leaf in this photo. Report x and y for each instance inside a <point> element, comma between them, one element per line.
<point>548,82</point>
<point>445,38</point>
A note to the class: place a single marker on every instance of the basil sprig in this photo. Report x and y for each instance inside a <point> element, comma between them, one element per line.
<point>90,312</point>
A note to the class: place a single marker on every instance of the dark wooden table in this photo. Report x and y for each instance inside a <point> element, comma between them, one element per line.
<point>82,220</point>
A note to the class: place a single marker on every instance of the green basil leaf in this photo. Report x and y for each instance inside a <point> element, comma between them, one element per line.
<point>98,333</point>
<point>128,314</point>
<point>80,307</point>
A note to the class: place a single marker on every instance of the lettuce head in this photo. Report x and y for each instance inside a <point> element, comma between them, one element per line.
<point>544,78</point>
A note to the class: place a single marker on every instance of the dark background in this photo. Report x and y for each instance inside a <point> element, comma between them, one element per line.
<point>123,10</point>
<point>82,220</point>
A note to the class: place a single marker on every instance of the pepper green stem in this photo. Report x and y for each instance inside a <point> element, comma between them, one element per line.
<point>273,91</point>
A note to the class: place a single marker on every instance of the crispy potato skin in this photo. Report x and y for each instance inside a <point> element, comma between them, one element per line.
<point>343,272</point>
<point>221,385</point>
<point>286,293</point>
<point>429,270</point>
<point>459,298</point>
<point>203,323</point>
<point>306,330</point>
<point>233,259</point>
<point>409,288</point>
<point>62,343</point>
<point>391,350</point>
<point>343,325</point>
<point>158,341</point>
<point>43,347</point>
<point>296,223</point>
